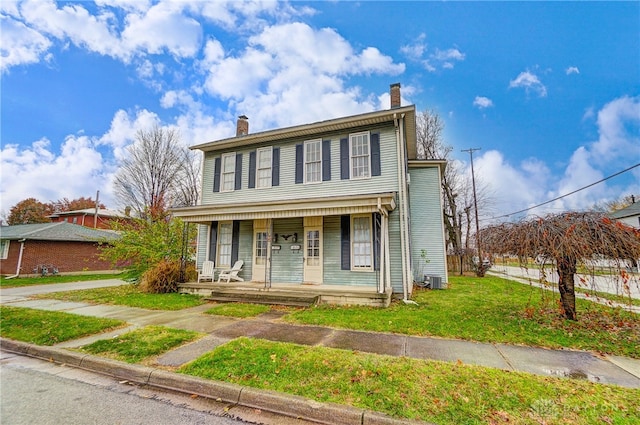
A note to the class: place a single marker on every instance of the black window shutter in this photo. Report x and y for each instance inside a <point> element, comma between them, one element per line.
<point>326,160</point>
<point>377,224</point>
<point>252,169</point>
<point>238,184</point>
<point>375,154</point>
<point>345,242</point>
<point>344,159</point>
<point>275,167</point>
<point>216,175</point>
<point>235,241</point>
<point>213,240</point>
<point>299,163</point>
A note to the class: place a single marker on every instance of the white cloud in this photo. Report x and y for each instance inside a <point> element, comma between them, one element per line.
<point>618,129</point>
<point>572,70</point>
<point>20,44</point>
<point>482,102</point>
<point>530,82</point>
<point>418,51</point>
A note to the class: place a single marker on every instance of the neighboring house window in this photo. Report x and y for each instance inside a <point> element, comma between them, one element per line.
<point>264,170</point>
<point>4,249</point>
<point>359,156</point>
<point>261,248</point>
<point>228,172</point>
<point>225,237</point>
<point>361,242</point>
<point>312,161</point>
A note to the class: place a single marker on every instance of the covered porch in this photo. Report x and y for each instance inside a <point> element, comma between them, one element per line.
<point>297,249</point>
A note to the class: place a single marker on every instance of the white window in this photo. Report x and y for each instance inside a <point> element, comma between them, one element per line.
<point>360,155</point>
<point>263,172</point>
<point>312,161</point>
<point>4,249</point>
<point>361,245</point>
<point>261,248</point>
<point>228,175</point>
<point>225,237</point>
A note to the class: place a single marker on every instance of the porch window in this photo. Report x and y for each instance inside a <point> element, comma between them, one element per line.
<point>225,239</point>
<point>359,155</point>
<point>228,172</point>
<point>4,249</point>
<point>361,243</point>
<point>261,248</point>
<point>312,161</point>
<point>264,167</point>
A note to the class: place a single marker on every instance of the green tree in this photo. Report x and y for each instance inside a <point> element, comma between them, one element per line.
<point>29,211</point>
<point>144,243</point>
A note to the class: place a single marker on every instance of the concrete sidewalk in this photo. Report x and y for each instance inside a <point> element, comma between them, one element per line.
<point>559,363</point>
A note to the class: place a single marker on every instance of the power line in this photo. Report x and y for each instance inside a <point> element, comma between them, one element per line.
<point>567,194</point>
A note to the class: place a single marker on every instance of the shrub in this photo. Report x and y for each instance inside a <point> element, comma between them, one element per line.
<point>165,276</point>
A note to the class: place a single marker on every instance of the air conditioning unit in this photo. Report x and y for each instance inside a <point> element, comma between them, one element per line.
<point>435,282</point>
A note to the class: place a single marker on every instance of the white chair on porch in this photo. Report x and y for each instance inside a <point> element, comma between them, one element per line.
<point>207,272</point>
<point>232,273</point>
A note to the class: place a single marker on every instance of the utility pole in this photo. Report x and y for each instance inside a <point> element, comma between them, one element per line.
<point>475,205</point>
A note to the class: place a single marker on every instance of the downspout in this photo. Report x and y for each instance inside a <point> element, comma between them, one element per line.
<point>19,266</point>
<point>383,242</point>
<point>402,178</point>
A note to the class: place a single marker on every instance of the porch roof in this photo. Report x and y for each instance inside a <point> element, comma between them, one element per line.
<point>330,205</point>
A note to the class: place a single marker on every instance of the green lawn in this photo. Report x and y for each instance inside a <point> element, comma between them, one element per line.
<point>128,295</point>
<point>50,327</point>
<point>141,344</point>
<point>491,309</point>
<point>47,280</point>
<point>240,310</point>
<point>444,393</point>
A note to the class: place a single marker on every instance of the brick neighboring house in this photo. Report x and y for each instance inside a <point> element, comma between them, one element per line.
<point>27,248</point>
<point>103,219</point>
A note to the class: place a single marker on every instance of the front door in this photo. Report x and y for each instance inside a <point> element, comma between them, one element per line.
<point>313,250</point>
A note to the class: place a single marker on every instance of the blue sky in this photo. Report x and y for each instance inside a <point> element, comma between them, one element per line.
<point>549,90</point>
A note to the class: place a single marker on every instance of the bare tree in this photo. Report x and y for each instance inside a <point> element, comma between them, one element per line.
<point>569,238</point>
<point>157,173</point>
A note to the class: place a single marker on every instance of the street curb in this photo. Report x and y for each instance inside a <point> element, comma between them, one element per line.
<point>271,401</point>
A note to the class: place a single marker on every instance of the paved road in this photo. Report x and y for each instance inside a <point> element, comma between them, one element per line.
<point>609,284</point>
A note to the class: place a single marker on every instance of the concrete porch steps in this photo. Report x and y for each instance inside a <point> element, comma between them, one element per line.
<point>272,297</point>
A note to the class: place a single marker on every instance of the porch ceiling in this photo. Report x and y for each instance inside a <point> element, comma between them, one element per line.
<point>290,208</point>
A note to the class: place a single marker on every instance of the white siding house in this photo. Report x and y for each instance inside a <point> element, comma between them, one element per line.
<point>342,204</point>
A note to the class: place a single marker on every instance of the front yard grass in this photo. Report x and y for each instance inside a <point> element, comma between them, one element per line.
<point>444,393</point>
<point>128,295</point>
<point>491,309</point>
<point>241,310</point>
<point>47,280</point>
<point>50,327</point>
<point>141,344</point>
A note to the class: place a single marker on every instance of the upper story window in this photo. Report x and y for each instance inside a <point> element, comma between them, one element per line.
<point>228,172</point>
<point>359,156</point>
<point>312,161</point>
<point>264,167</point>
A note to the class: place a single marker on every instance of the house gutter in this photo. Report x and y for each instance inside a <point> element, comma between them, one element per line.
<point>19,266</point>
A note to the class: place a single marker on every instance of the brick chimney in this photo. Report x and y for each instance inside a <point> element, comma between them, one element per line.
<point>395,95</point>
<point>242,127</point>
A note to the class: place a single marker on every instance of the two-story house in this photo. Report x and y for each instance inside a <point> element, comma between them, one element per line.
<point>335,207</point>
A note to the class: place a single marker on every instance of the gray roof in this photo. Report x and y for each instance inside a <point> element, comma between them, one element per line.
<point>630,211</point>
<point>102,212</point>
<point>60,231</point>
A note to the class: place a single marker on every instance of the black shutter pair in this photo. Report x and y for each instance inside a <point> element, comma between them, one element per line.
<point>345,241</point>
<point>326,162</point>
<point>217,170</point>
<point>235,241</point>
<point>345,167</point>
<point>275,168</point>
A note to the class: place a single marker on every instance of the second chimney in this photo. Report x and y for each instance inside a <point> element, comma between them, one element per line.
<point>242,128</point>
<point>395,95</point>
